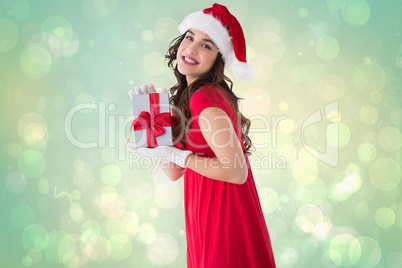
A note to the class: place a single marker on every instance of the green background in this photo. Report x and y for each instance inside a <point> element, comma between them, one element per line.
<point>71,196</point>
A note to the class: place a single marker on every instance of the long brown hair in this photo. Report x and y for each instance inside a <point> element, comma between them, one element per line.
<point>181,94</point>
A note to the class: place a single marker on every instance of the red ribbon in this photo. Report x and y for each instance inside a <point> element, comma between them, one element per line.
<point>153,122</point>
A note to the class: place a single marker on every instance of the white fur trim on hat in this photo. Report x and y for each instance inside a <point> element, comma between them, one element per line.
<point>243,71</point>
<point>212,27</point>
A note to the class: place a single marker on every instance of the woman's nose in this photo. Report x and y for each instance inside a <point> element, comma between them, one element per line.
<point>192,49</point>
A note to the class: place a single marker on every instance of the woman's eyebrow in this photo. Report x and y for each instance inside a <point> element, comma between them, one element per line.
<point>206,40</point>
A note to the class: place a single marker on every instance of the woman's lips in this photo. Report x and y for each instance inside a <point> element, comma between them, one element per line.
<point>189,60</point>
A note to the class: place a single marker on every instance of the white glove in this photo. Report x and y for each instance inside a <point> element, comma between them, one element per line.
<point>144,89</point>
<point>163,154</point>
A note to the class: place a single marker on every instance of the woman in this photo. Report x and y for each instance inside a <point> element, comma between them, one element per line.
<point>225,226</point>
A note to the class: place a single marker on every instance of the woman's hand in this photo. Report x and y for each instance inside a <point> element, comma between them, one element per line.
<point>163,154</point>
<point>144,89</point>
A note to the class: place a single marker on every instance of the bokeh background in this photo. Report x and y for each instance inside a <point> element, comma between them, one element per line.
<point>70,196</point>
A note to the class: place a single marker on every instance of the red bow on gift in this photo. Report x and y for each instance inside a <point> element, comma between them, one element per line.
<point>153,122</point>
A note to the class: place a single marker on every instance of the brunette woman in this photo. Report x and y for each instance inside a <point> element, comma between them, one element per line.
<point>225,226</point>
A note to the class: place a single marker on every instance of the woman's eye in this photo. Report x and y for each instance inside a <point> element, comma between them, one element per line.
<point>207,47</point>
<point>189,38</point>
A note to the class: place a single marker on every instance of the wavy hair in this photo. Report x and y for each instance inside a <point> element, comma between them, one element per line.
<point>181,94</point>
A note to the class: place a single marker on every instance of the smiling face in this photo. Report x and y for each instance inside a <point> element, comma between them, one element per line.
<point>196,55</point>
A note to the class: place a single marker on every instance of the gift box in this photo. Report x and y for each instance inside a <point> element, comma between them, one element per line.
<point>152,123</point>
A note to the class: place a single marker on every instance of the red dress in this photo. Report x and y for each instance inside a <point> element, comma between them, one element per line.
<point>225,226</point>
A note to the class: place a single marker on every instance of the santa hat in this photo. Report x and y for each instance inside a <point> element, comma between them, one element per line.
<point>226,32</point>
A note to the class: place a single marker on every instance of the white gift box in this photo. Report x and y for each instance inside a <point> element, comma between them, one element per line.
<point>151,117</point>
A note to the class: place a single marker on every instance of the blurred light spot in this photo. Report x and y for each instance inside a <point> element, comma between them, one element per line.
<point>343,136</point>
<point>308,217</point>
<point>256,102</point>
<point>85,98</point>
<point>98,9</point>
<point>147,36</point>
<point>385,174</point>
<point>343,190</point>
<point>68,41</point>
<point>269,44</point>
<point>31,163</point>
<point>76,213</point>
<point>121,247</point>
<point>376,97</point>
<point>327,48</point>
<point>35,62</point>
<point>35,237</point>
<point>263,68</point>
<point>21,9</point>
<point>331,258</point>
<point>323,227</point>
<point>146,233</point>
<point>356,12</point>
<point>53,22</point>
<point>15,182</point>
<point>165,29</point>
<point>26,261</point>
<point>48,42</point>
<point>76,194</point>
<point>369,78</point>
<point>331,87</point>
<point>108,193</point>
<point>167,198</point>
<point>111,175</point>
<point>90,229</point>
<point>113,207</point>
<point>336,4</point>
<point>323,20</point>
<point>112,227</point>
<point>154,63</point>
<point>367,152</point>
<point>99,248</point>
<point>163,250</point>
<point>368,114</point>
<point>52,249</point>
<point>313,193</point>
<point>43,186</point>
<point>71,250</point>
<point>268,24</point>
<point>14,150</point>
<point>384,217</point>
<point>303,13</point>
<point>269,199</point>
<point>153,212</point>
<point>283,106</point>
<point>365,252</point>
<point>83,179</point>
<point>144,191</point>
<point>304,172</point>
<point>390,139</point>
<point>32,127</point>
<point>22,216</point>
<point>35,255</point>
<point>289,256</point>
<point>8,35</point>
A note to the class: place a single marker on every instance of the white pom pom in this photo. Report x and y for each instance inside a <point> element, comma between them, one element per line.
<point>243,71</point>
